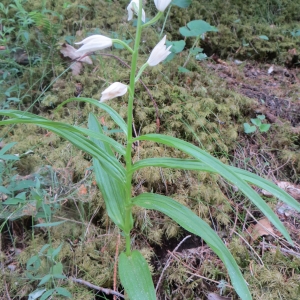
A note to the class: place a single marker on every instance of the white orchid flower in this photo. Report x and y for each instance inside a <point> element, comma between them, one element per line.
<point>133,7</point>
<point>159,53</point>
<point>161,5</point>
<point>94,43</point>
<point>114,90</point>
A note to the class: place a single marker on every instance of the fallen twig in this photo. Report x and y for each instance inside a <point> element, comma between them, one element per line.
<point>98,288</point>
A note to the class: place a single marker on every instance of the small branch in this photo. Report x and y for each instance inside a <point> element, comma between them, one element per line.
<point>98,288</point>
<point>285,251</point>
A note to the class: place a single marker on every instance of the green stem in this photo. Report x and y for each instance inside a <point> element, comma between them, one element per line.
<point>143,67</point>
<point>154,20</point>
<point>123,44</point>
<point>194,45</point>
<point>128,212</point>
<point>165,21</point>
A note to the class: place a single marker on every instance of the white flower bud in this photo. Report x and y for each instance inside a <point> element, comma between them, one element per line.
<point>161,5</point>
<point>94,43</point>
<point>114,90</point>
<point>132,9</point>
<point>159,53</point>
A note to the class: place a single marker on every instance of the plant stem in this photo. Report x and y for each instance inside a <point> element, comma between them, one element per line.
<point>154,20</point>
<point>194,45</point>
<point>165,21</point>
<point>128,212</point>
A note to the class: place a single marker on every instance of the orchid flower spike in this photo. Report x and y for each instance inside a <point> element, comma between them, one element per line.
<point>161,5</point>
<point>94,43</point>
<point>133,7</point>
<point>114,90</point>
<point>159,53</point>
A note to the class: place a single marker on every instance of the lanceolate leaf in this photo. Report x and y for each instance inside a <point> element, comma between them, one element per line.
<point>191,164</point>
<point>110,163</point>
<point>221,169</point>
<point>66,127</point>
<point>113,191</point>
<point>189,221</point>
<point>135,276</point>
<point>114,115</point>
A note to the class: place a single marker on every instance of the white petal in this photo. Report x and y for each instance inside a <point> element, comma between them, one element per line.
<point>161,5</point>
<point>159,53</point>
<point>130,10</point>
<point>94,43</point>
<point>114,90</point>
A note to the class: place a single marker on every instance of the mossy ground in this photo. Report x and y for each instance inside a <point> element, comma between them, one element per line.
<point>206,106</point>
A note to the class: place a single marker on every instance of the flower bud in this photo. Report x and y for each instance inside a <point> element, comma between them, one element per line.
<point>114,90</point>
<point>133,7</point>
<point>161,5</point>
<point>159,53</point>
<point>94,43</point>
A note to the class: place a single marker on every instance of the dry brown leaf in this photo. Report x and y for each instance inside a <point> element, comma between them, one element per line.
<point>263,227</point>
<point>290,188</point>
<point>69,51</point>
<point>76,68</point>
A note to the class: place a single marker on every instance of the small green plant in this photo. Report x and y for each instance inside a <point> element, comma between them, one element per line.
<point>114,167</point>
<point>45,268</point>
<point>262,127</point>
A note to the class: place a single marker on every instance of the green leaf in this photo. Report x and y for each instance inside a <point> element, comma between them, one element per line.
<point>63,292</point>
<point>191,222</point>
<point>114,115</point>
<point>201,56</point>
<point>135,276</point>
<point>47,294</point>
<point>181,3</point>
<point>264,37</point>
<point>183,70</point>
<point>56,251</point>
<point>110,163</point>
<point>33,263</point>
<point>113,191</point>
<point>196,28</point>
<point>6,148</point>
<point>57,269</point>
<point>25,184</point>
<point>264,127</point>
<point>36,294</point>
<point>177,46</point>
<point>62,127</point>
<point>49,224</point>
<point>248,128</point>
<point>261,117</point>
<point>256,122</point>
<point>45,279</point>
<point>4,190</point>
<point>44,248</point>
<point>13,201</point>
<point>191,164</point>
<point>221,169</point>
<point>9,157</point>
